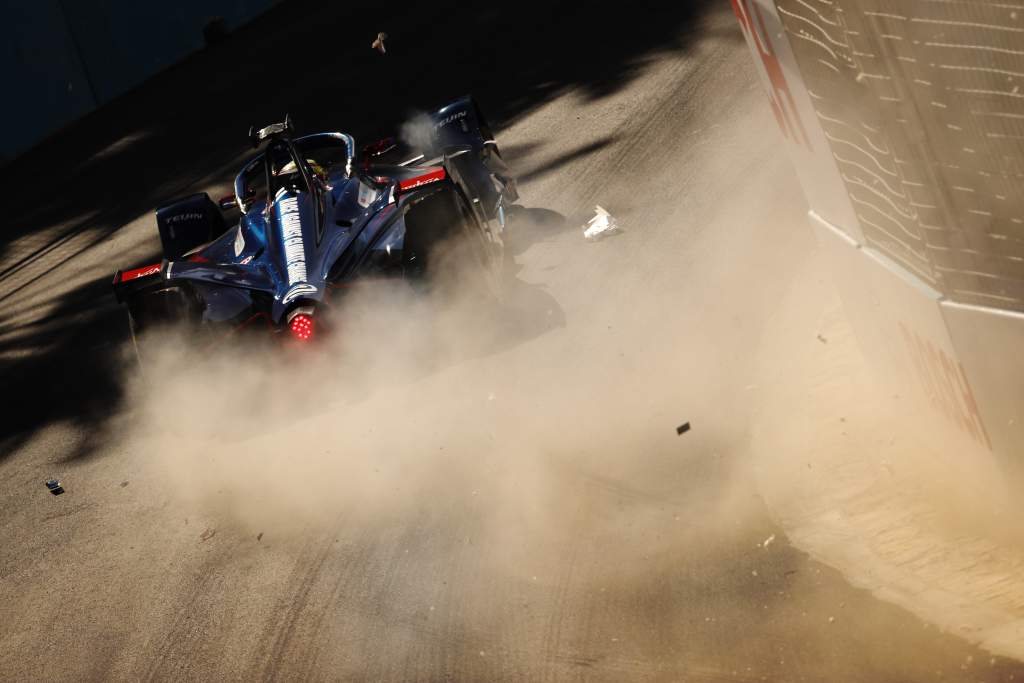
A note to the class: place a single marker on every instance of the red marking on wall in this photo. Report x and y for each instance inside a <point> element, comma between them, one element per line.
<point>780,96</point>
<point>945,383</point>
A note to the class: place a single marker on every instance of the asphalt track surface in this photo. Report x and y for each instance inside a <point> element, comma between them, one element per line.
<point>593,543</point>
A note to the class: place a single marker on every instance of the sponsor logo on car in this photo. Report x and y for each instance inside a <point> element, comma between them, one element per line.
<point>189,216</point>
<point>448,119</point>
<point>420,180</point>
<point>291,237</point>
<point>140,272</point>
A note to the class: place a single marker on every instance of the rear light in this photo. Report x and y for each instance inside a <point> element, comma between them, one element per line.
<point>302,327</point>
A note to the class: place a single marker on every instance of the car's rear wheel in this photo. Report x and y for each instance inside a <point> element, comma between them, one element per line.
<point>446,247</point>
<point>153,314</point>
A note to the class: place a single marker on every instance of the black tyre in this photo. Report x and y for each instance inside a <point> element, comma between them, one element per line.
<point>446,247</point>
<point>154,313</point>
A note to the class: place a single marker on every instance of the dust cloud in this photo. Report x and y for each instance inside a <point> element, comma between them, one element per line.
<point>506,411</point>
<point>417,131</point>
<point>414,399</point>
<point>525,424</point>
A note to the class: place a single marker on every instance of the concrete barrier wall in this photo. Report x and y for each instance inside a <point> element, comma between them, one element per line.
<point>989,348</point>
<point>63,58</point>
<point>905,122</point>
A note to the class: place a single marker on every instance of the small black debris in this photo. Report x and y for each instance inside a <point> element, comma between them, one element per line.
<point>207,535</point>
<point>124,483</point>
<point>683,428</point>
<point>54,486</point>
<point>259,536</point>
<point>822,339</point>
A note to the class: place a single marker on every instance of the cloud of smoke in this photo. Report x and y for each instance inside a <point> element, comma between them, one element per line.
<point>495,406</point>
<point>534,428</point>
<point>417,397</point>
<point>417,131</point>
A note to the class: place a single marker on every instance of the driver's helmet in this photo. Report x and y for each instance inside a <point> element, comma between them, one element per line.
<point>317,169</point>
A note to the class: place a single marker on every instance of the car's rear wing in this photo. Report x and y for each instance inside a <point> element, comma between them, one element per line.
<point>460,123</point>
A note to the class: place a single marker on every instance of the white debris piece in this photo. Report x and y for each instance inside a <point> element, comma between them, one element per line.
<point>600,225</point>
<point>768,541</point>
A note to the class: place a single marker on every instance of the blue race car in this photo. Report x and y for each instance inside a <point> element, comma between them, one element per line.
<point>314,215</point>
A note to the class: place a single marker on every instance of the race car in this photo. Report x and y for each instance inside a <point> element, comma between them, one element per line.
<point>313,216</point>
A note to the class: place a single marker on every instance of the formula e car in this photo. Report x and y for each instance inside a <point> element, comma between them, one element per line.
<point>314,215</point>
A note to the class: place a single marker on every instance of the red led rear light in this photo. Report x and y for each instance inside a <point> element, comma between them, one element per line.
<point>302,327</point>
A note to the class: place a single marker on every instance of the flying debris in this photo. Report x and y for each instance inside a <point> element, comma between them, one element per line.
<point>601,225</point>
<point>683,428</point>
<point>378,44</point>
<point>54,486</point>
